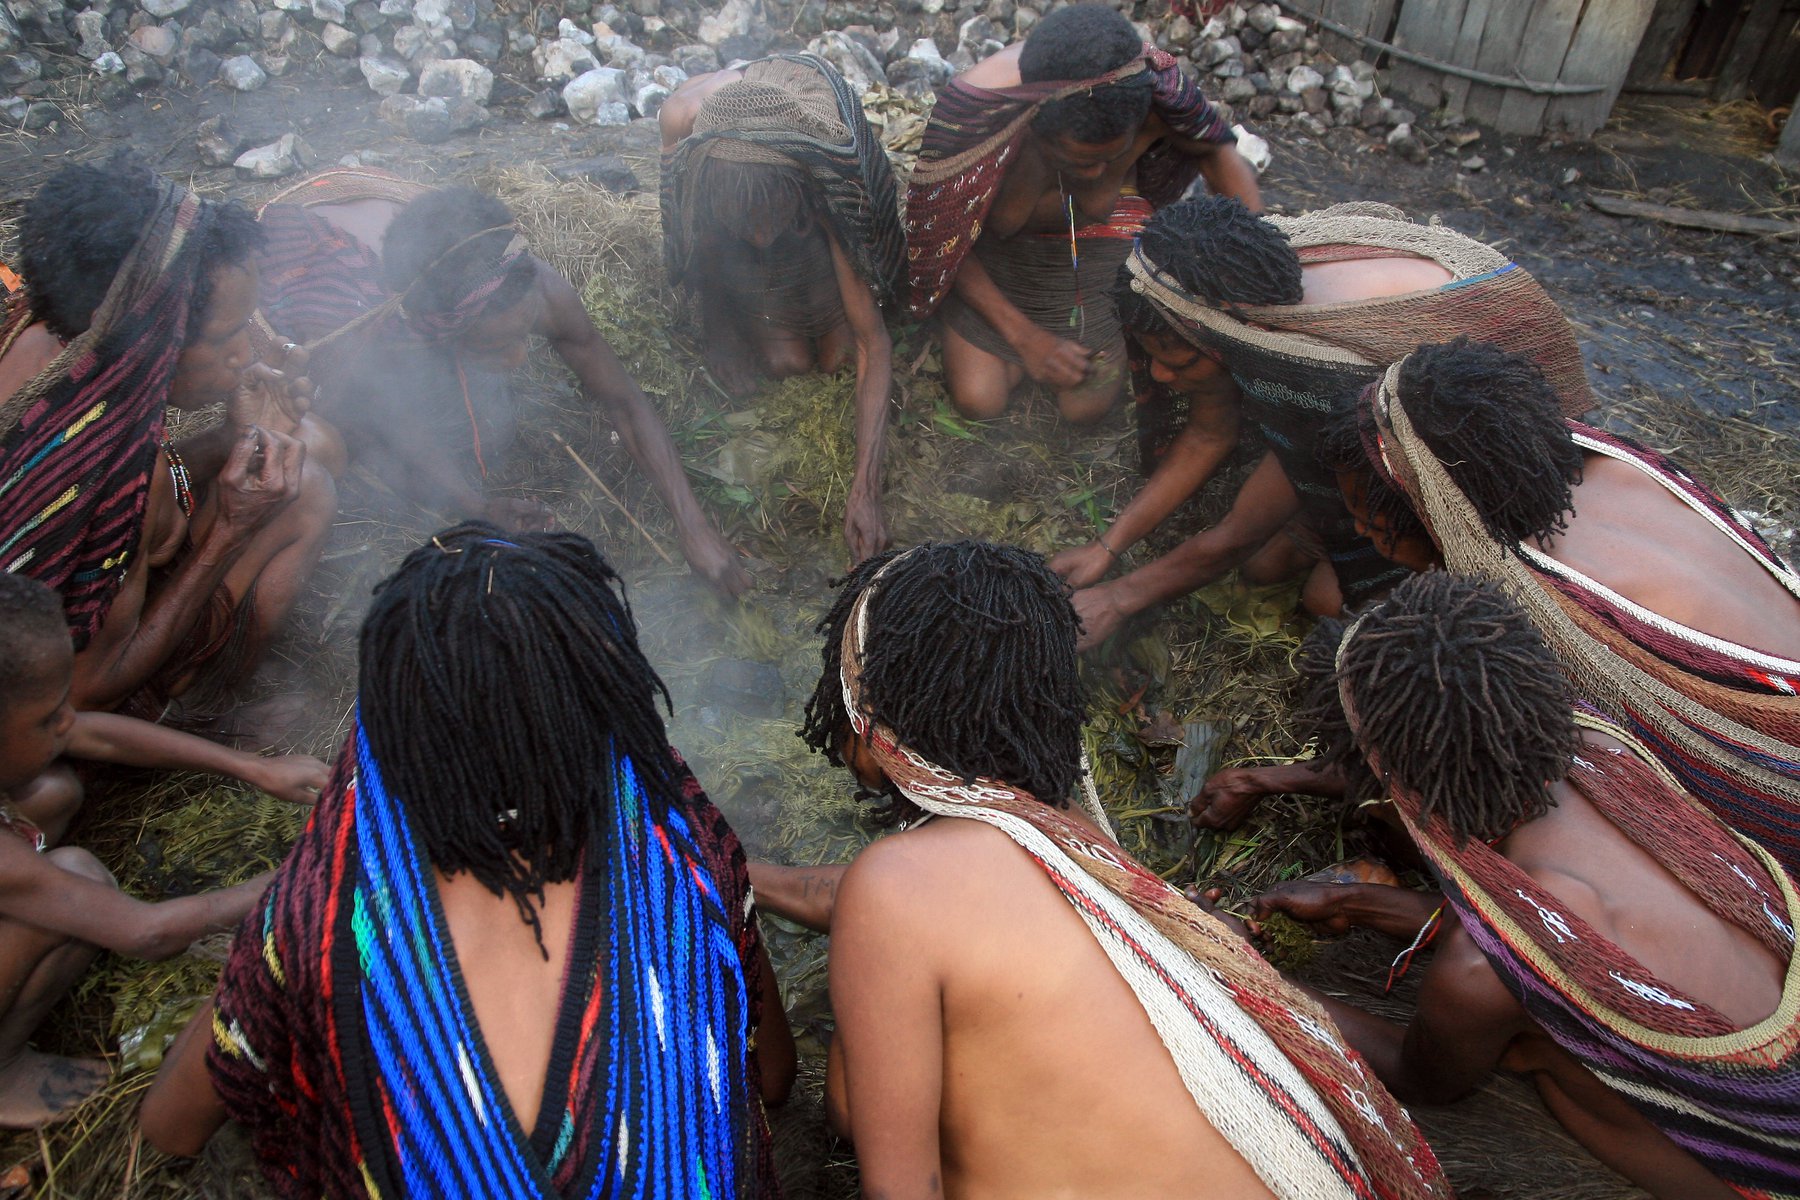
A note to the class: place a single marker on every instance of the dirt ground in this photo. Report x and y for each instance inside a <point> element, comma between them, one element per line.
<point>1687,336</point>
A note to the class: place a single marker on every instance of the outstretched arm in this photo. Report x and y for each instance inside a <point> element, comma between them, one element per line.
<point>571,332</point>
<point>1264,504</point>
<point>1203,444</point>
<point>865,529</point>
<point>109,737</point>
<point>888,1000</point>
<point>803,895</point>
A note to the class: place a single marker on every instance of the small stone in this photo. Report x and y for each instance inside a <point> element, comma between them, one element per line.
<point>218,143</point>
<point>617,51</point>
<point>90,28</point>
<point>425,121</point>
<point>647,100</point>
<point>384,76</point>
<point>11,38</point>
<point>338,40</point>
<point>1372,115</point>
<point>1219,51</point>
<point>16,69</point>
<point>1474,163</point>
<point>853,60</point>
<point>696,59</point>
<point>39,114</point>
<point>1462,137</point>
<point>13,108</point>
<point>275,64</point>
<point>109,64</point>
<point>141,71</point>
<point>608,170</point>
<point>394,8</point>
<point>735,18</point>
<point>1254,150</point>
<point>156,41</point>
<point>980,37</point>
<point>546,105</point>
<point>1569,176</point>
<point>1262,17</point>
<point>1402,116</point>
<point>562,59</point>
<point>1302,80</point>
<point>410,41</point>
<point>521,42</point>
<point>1231,68</point>
<point>597,93</point>
<point>281,157</point>
<point>1315,100</point>
<point>457,78</point>
<point>273,25</point>
<point>669,75</point>
<point>329,10</point>
<point>1262,106</point>
<point>481,47</point>
<point>1402,141</point>
<point>199,65</point>
<point>367,16</point>
<point>369,46</point>
<point>1309,123</point>
<point>241,74</point>
<point>1284,41</point>
<point>162,10</point>
<point>1237,90</point>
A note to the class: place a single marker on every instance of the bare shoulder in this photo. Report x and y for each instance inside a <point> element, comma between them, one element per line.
<point>675,120</point>
<point>936,866</point>
<point>1462,983</point>
<point>997,70</point>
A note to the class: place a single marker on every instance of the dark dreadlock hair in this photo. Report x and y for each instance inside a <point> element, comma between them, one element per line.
<point>1137,313</point>
<point>970,661</point>
<point>31,623</point>
<point>1456,696</point>
<point>1083,41</point>
<point>435,251</point>
<point>1494,422</point>
<point>82,223</point>
<point>743,199</point>
<point>501,686</point>
<point>1221,253</point>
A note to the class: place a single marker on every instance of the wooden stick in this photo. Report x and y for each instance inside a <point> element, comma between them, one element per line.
<point>608,493</point>
<point>1696,218</point>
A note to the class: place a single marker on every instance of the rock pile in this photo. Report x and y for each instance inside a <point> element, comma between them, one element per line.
<point>434,63</point>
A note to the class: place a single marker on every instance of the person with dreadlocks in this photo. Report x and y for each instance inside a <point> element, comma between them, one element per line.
<point>779,211</point>
<point>1045,161</point>
<point>1001,963</point>
<point>1672,612</point>
<point>515,953</point>
<point>1606,934</point>
<point>176,561</point>
<point>427,300</point>
<point>1276,322</point>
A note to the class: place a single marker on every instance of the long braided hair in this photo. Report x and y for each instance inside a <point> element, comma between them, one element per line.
<point>501,681</point>
<point>970,661</point>
<point>1457,697</point>
<point>1222,254</point>
<point>1495,423</point>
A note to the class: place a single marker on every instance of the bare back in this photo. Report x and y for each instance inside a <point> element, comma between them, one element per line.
<point>1629,533</point>
<point>1368,278</point>
<point>1054,1081</point>
<point>1585,861</point>
<point>515,990</point>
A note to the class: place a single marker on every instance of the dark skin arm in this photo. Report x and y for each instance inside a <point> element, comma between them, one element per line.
<point>1203,444</point>
<point>109,737</point>
<point>775,1056</point>
<point>1264,504</point>
<point>572,334</point>
<point>1050,360</point>
<point>865,529</point>
<point>1227,173</point>
<point>36,891</point>
<point>803,895</point>
<point>1231,795</point>
<point>259,479</point>
<point>1339,907</point>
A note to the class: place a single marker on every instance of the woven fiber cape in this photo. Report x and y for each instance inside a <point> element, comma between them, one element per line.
<point>344,1039</point>
<point>1489,299</point>
<point>1723,717</point>
<point>1263,1062</point>
<point>973,134</point>
<point>794,110</point>
<point>78,441</point>
<point>1728,1096</point>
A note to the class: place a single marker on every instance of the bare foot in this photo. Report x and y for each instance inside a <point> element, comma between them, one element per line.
<point>36,1089</point>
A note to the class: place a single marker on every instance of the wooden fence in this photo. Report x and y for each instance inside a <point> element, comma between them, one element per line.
<point>1520,66</point>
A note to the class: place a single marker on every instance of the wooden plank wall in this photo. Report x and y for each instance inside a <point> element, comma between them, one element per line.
<point>1660,41</point>
<point>1574,41</point>
<point>1371,18</point>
